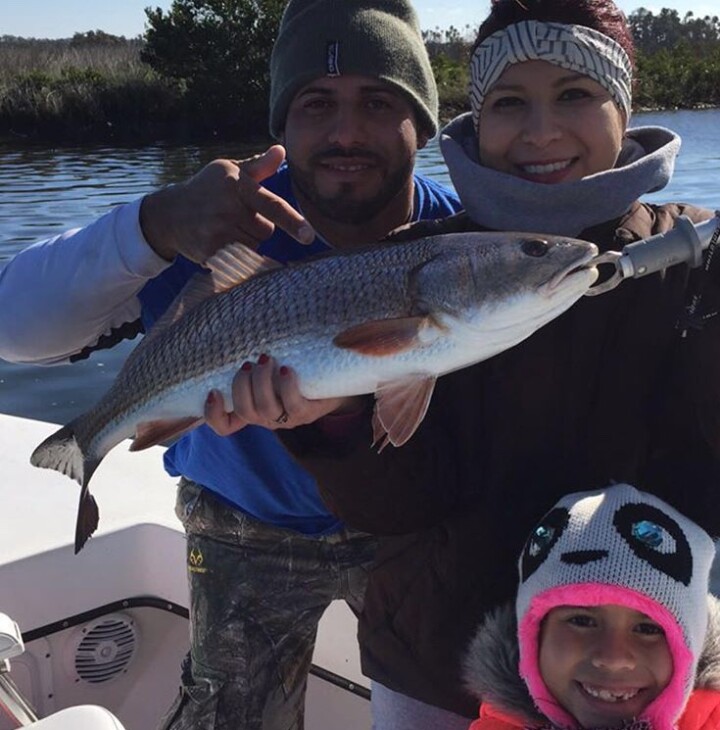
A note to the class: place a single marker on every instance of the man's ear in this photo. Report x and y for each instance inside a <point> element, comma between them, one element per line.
<point>423,137</point>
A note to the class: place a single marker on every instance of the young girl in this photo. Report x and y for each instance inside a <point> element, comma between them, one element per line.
<point>613,624</point>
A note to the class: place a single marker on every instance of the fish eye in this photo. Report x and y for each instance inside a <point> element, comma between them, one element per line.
<point>535,247</point>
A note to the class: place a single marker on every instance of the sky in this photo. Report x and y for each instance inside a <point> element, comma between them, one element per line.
<point>63,18</point>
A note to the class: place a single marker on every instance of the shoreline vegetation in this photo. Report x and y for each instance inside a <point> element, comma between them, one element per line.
<point>180,81</point>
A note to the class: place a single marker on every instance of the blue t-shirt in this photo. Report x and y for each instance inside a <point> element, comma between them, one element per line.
<point>251,469</point>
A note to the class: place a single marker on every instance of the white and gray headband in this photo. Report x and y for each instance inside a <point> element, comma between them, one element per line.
<point>573,47</point>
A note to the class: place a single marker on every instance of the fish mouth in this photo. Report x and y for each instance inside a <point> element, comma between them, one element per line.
<point>577,267</point>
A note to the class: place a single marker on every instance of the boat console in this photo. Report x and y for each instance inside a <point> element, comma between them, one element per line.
<point>16,707</point>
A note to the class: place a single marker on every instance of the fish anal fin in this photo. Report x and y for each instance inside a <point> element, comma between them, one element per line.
<point>88,518</point>
<point>151,433</point>
<point>400,407</point>
<point>383,337</point>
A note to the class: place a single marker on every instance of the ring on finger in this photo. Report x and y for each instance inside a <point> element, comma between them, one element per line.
<point>283,417</point>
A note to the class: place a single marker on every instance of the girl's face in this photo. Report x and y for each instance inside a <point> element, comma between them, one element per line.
<point>603,664</point>
<point>549,125</point>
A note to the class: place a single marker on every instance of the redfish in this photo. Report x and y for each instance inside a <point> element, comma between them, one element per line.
<point>387,319</point>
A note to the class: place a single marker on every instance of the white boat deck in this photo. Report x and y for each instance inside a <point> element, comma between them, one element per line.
<point>137,553</point>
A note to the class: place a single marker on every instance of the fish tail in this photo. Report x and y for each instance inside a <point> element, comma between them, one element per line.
<point>63,452</point>
<point>87,519</point>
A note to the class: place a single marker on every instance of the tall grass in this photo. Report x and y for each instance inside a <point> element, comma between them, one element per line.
<point>68,92</point>
<point>118,60</point>
<point>95,88</point>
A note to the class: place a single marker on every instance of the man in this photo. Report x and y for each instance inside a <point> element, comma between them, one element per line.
<point>352,99</point>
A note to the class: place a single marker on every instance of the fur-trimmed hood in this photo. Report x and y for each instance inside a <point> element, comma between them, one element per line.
<point>491,664</point>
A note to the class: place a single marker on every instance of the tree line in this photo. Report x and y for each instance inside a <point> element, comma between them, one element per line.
<point>201,71</point>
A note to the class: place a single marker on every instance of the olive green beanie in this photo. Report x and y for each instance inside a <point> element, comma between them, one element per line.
<point>378,38</point>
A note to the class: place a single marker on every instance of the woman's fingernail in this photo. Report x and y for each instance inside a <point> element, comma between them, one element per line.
<point>211,399</point>
<point>306,234</point>
<point>283,370</point>
<point>246,366</point>
<point>263,359</point>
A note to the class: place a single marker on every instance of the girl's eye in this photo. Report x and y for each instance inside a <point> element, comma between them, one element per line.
<point>650,629</point>
<point>581,620</point>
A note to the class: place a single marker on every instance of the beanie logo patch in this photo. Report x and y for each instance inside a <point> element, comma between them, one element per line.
<point>332,55</point>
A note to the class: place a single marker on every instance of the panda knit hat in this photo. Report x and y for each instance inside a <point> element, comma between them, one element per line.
<point>624,547</point>
<point>378,38</point>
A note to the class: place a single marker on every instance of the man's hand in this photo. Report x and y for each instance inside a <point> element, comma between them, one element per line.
<point>268,396</point>
<point>222,203</point>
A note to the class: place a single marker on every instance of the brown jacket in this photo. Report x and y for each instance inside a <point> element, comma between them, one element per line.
<point>608,391</point>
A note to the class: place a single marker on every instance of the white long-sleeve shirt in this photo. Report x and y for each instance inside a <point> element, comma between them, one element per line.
<point>60,295</point>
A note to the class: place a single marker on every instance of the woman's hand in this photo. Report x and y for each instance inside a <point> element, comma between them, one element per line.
<point>269,396</point>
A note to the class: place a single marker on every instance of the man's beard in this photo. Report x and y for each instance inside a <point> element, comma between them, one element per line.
<point>343,207</point>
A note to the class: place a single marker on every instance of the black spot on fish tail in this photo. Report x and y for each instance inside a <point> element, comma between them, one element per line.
<point>87,519</point>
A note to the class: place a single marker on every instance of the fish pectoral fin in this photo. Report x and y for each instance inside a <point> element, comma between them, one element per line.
<point>151,433</point>
<point>383,337</point>
<point>400,407</point>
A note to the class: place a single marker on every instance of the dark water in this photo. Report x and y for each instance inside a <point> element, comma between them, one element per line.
<point>46,191</point>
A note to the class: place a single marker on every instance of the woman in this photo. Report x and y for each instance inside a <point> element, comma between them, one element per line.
<point>609,391</point>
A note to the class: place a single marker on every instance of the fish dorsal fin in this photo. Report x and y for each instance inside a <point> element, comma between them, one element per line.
<point>383,337</point>
<point>236,263</point>
<point>151,433</point>
<point>400,407</point>
<point>229,267</point>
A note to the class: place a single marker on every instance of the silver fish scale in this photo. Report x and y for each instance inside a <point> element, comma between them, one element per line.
<point>269,313</point>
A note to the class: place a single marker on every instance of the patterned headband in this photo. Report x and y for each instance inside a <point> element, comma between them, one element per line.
<point>573,47</point>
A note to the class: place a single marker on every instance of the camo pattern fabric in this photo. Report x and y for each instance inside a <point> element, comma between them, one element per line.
<point>257,593</point>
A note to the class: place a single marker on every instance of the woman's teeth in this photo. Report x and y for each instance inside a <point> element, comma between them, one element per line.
<point>610,695</point>
<point>545,169</point>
